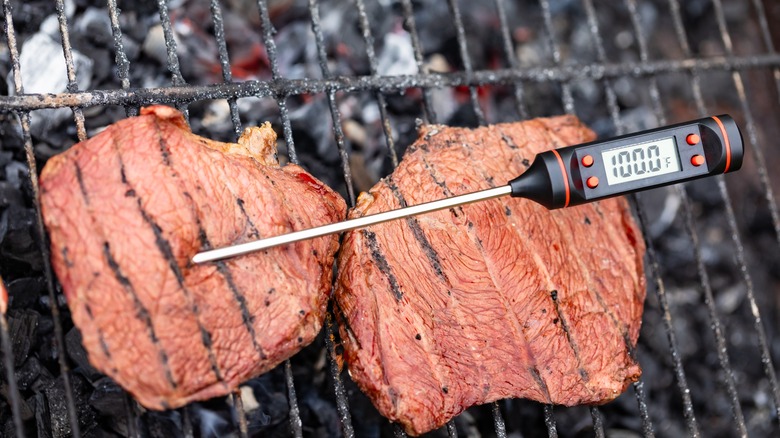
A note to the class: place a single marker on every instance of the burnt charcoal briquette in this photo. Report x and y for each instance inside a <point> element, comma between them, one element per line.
<point>22,327</point>
<point>78,354</point>
<point>56,405</point>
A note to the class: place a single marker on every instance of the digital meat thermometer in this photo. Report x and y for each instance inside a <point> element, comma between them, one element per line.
<point>574,175</point>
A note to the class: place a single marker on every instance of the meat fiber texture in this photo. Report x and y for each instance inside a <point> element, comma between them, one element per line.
<point>128,209</point>
<point>491,300</point>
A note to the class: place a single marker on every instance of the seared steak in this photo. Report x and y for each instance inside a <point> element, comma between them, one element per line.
<point>127,210</point>
<point>491,300</point>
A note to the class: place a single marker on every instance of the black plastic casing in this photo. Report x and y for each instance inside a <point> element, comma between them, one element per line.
<point>558,178</point>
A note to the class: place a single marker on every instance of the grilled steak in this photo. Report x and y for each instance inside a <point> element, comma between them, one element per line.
<point>491,300</point>
<point>127,210</point>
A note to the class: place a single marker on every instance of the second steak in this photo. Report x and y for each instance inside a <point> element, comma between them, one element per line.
<point>492,300</point>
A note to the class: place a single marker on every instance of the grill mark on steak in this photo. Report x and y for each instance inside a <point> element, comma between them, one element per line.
<point>381,263</point>
<point>414,225</point>
<point>519,334</point>
<point>165,250</point>
<point>224,270</point>
<point>540,381</point>
<point>569,336</point>
<point>141,312</point>
<point>253,232</point>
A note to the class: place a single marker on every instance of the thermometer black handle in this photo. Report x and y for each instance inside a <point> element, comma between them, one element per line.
<point>587,172</point>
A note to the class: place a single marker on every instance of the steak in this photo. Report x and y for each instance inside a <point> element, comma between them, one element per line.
<point>492,300</point>
<point>128,209</point>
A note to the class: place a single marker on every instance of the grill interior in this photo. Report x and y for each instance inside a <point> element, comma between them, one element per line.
<point>709,340</point>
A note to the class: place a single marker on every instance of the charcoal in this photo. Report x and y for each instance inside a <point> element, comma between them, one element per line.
<point>270,405</point>
<point>9,195</point>
<point>28,373</point>
<point>17,240</point>
<point>15,173</point>
<point>109,400</point>
<point>24,292</point>
<point>322,412</point>
<point>57,405</point>
<point>78,354</point>
<point>42,416</point>
<point>95,24</point>
<point>43,71</point>
<point>22,327</point>
<point>165,424</point>
<point>211,419</point>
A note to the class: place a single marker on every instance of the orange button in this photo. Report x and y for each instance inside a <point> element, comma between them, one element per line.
<point>697,160</point>
<point>587,161</point>
<point>592,182</point>
<point>692,139</point>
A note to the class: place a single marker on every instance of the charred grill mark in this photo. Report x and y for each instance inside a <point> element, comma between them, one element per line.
<point>80,180</point>
<point>381,263</point>
<point>344,322</point>
<point>65,258</point>
<point>247,318</point>
<point>540,382</point>
<point>165,250</point>
<point>253,232</point>
<point>140,311</point>
<point>621,326</point>
<point>414,225</point>
<point>567,331</point>
<point>505,138</point>
<point>165,151</point>
<point>69,264</point>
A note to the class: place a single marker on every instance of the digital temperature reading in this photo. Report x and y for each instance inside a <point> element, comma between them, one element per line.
<point>639,161</point>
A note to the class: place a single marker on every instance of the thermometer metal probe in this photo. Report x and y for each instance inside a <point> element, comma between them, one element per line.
<point>573,175</point>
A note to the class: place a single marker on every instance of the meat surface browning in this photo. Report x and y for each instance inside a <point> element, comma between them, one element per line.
<point>497,299</point>
<point>127,210</point>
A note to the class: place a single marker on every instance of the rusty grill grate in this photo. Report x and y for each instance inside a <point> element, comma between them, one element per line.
<point>521,80</point>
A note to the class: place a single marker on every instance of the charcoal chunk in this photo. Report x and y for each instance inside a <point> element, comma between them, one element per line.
<point>22,326</point>
<point>78,354</point>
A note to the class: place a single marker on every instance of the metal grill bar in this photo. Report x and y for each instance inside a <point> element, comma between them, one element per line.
<point>296,424</point>
<point>237,403</point>
<point>568,100</point>
<point>8,364</point>
<point>757,150</point>
<point>452,431</point>
<point>281,98</point>
<point>224,62</point>
<point>766,358</point>
<point>598,422</point>
<point>465,58</point>
<point>387,84</point>
<point>295,414</point>
<point>24,118</point>
<point>716,326</point>
<point>509,53</point>
<point>330,92</point>
<point>549,421</point>
<point>429,115</point>
<point>69,66</point>
<point>170,44</point>
<point>614,110</point>
<point>767,37</point>
<point>121,61</point>
<point>498,420</point>
<point>338,385</point>
<point>368,40</point>
<point>173,58</point>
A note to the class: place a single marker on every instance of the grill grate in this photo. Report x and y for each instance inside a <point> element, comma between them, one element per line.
<point>564,75</point>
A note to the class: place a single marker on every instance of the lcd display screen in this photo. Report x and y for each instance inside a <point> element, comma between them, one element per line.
<point>640,161</point>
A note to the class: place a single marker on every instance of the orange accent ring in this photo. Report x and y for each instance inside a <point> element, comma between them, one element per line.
<point>726,139</point>
<point>565,176</point>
